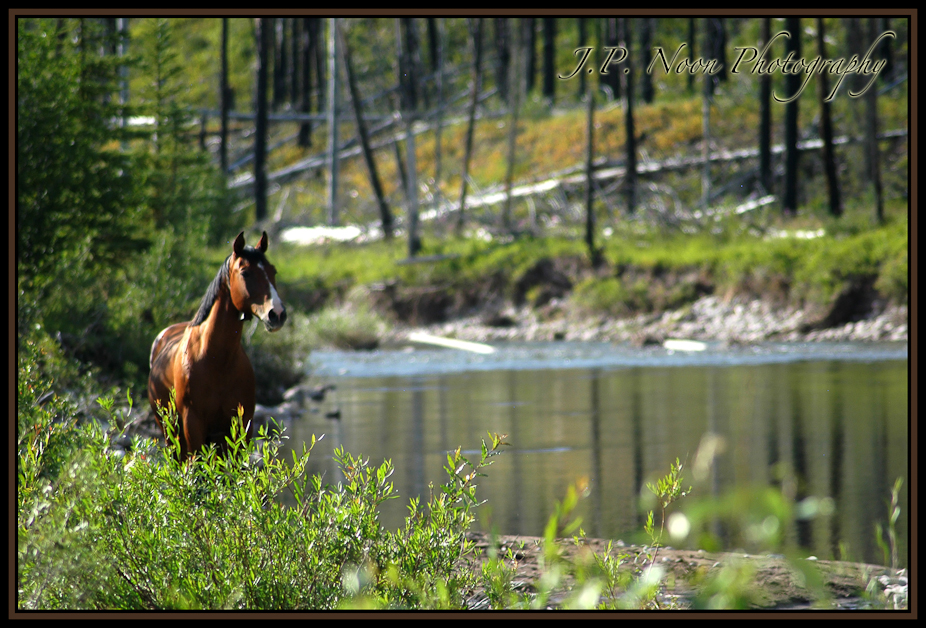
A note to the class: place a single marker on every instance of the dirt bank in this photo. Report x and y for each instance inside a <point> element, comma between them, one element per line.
<point>734,320</point>
<point>774,582</point>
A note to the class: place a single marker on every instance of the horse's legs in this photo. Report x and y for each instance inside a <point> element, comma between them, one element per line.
<point>194,430</point>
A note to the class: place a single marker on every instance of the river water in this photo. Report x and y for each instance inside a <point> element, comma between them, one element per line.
<point>823,423</point>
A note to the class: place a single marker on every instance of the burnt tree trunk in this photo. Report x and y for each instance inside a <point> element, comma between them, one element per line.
<point>476,31</point>
<point>384,211</point>
<point>515,77</point>
<point>871,136</point>
<point>260,135</point>
<point>549,58</point>
<point>647,25</point>
<point>765,118</point>
<point>826,131</point>
<point>223,98</point>
<point>793,81</point>
<point>630,182</point>
<point>333,114</point>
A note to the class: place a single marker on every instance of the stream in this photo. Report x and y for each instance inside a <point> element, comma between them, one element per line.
<point>827,423</point>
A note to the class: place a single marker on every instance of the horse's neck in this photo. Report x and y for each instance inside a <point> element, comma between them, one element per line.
<point>221,331</point>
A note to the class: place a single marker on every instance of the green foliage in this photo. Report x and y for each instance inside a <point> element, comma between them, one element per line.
<point>111,221</point>
<point>182,189</point>
<point>44,421</point>
<point>79,197</point>
<point>893,514</point>
<point>667,490</point>
<point>353,326</point>
<point>606,295</point>
<point>142,529</point>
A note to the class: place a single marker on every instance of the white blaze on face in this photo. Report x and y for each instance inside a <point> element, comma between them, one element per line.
<point>275,304</point>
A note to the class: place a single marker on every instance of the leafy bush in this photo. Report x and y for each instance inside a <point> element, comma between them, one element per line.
<point>353,326</point>
<point>100,528</point>
<point>606,295</point>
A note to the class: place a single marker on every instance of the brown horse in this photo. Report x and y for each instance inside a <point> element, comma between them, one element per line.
<point>203,361</point>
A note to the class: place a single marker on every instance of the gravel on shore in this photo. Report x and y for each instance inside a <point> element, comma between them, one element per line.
<point>709,318</point>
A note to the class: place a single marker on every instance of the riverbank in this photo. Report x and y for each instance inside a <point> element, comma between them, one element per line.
<point>710,318</point>
<point>774,583</point>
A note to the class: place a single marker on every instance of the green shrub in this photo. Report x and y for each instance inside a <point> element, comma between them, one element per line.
<point>105,529</point>
<point>608,296</point>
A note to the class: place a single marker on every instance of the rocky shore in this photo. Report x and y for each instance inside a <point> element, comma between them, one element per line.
<point>775,583</point>
<point>710,318</point>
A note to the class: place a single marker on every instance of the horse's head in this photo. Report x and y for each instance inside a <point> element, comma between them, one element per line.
<point>252,283</point>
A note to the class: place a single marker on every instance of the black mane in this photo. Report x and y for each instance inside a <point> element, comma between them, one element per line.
<point>221,280</point>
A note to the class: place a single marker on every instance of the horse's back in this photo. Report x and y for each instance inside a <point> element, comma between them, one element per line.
<point>163,349</point>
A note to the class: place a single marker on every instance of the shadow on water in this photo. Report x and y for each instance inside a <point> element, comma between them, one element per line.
<point>818,420</point>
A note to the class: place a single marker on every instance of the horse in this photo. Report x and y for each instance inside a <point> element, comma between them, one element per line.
<point>203,361</point>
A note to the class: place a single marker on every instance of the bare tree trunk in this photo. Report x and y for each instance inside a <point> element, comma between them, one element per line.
<point>281,63</point>
<point>514,83</point>
<point>765,117</point>
<point>647,26</point>
<point>715,47</point>
<point>400,165</point>
<point>309,41</point>
<point>549,58</point>
<point>531,71</point>
<point>630,181</point>
<point>402,104</point>
<point>439,122</point>
<point>384,211</point>
<point>407,47</point>
<point>789,201</point>
<point>414,240</point>
<point>611,75</point>
<point>295,71</point>
<point>871,136</point>
<point>692,49</point>
<point>720,48</point>
<point>409,68</point>
<point>502,56</point>
<point>886,50</point>
<point>476,30</point>
<point>593,253</point>
<point>223,98</point>
<point>333,114</point>
<point>826,130</point>
<point>583,41</point>
<point>260,136</point>
<point>707,91</point>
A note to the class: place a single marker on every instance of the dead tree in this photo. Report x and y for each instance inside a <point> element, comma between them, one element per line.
<point>515,79</point>
<point>793,81</point>
<point>260,135</point>
<point>826,131</point>
<point>384,211</point>
<point>871,136</point>
<point>765,118</point>
<point>476,31</point>
<point>630,182</point>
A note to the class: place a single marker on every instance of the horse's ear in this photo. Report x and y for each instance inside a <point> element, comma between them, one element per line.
<point>239,244</point>
<point>262,245</point>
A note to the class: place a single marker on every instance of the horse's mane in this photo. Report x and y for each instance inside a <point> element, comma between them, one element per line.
<point>220,281</point>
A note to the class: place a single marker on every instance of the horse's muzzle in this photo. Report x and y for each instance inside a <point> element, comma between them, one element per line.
<point>274,321</point>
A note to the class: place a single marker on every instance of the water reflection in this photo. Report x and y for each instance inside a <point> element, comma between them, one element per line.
<point>825,428</point>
